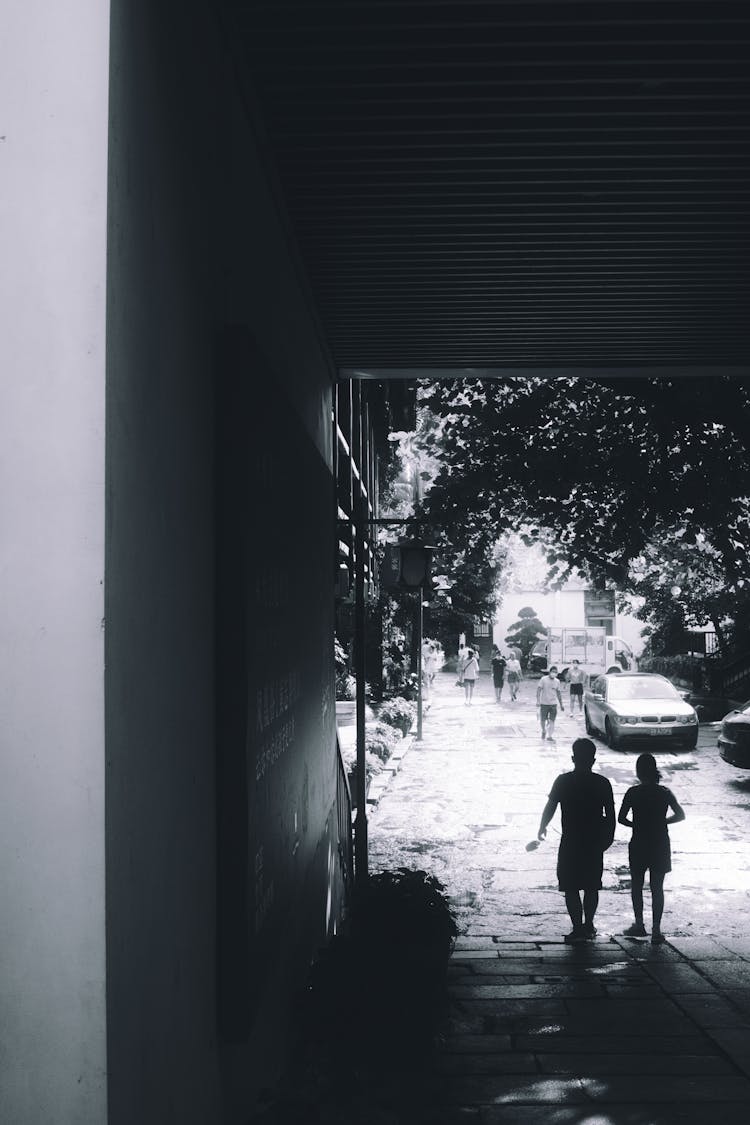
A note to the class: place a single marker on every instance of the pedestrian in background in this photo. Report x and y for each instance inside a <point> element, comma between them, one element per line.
<point>645,808</point>
<point>498,672</point>
<point>463,656</point>
<point>587,807</point>
<point>471,671</point>
<point>513,675</point>
<point>576,678</point>
<point>548,697</point>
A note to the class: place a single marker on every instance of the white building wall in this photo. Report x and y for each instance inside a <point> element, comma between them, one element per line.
<point>53,176</point>
<point>557,609</point>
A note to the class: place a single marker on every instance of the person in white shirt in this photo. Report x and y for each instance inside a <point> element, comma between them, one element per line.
<point>471,671</point>
<point>576,679</point>
<point>548,697</point>
<point>513,675</point>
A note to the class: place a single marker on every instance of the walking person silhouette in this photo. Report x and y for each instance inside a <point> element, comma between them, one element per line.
<point>644,809</point>
<point>587,808</point>
<point>471,671</point>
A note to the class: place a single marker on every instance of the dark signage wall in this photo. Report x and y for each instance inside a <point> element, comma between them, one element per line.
<point>274,689</point>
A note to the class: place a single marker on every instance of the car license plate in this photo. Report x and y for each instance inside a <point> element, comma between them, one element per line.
<point>662,730</point>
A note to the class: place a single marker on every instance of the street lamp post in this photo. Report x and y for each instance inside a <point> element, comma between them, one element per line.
<point>415,574</point>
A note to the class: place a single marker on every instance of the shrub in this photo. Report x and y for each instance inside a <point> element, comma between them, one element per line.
<point>399,937</point>
<point>399,713</point>
<point>381,740</point>
<point>683,669</point>
<point>346,687</point>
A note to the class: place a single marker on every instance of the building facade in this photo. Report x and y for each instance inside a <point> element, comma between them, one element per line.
<point>168,775</point>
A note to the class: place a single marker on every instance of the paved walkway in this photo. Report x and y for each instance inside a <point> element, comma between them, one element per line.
<point>615,1032</point>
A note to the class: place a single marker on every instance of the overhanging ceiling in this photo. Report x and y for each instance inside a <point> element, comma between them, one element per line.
<point>511,187</point>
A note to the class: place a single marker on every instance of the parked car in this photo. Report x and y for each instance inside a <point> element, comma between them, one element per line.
<point>734,737</point>
<point>639,707</point>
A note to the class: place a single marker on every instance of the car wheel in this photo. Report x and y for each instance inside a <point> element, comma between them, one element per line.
<point>614,670</point>
<point>587,721</point>
<point>609,735</point>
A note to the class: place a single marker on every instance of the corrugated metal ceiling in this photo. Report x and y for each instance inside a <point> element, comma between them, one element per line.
<point>505,185</point>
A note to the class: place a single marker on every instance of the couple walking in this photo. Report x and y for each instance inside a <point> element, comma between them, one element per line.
<point>588,828</point>
<point>503,667</point>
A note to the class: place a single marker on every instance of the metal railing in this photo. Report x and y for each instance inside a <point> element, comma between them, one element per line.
<point>346,840</point>
<point>701,641</point>
<point>735,676</point>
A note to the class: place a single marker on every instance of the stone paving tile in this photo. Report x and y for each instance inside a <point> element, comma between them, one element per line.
<point>637,1063</point>
<point>589,1026</point>
<point>736,1045</point>
<point>700,949</point>
<point>526,991</point>
<point>613,1114</point>
<point>627,1008</point>
<point>474,955</point>
<point>741,999</point>
<point>475,1044</point>
<point>592,1045</point>
<point>711,1011</point>
<point>513,1062</point>
<point>489,1090</point>
<point>643,950</point>
<point>643,990</point>
<point>713,1088</point>
<point>470,941</point>
<point>609,1017</point>
<point>679,978</point>
<point>504,1008</point>
<point>737,946</point>
<point>540,971</point>
<point>727,974</point>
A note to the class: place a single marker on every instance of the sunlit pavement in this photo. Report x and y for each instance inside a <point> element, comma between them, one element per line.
<point>614,1032</point>
<point>468,798</point>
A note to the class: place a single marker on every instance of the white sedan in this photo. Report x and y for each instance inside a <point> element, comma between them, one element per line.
<point>639,707</point>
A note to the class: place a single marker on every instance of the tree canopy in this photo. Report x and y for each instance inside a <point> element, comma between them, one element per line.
<point>638,483</point>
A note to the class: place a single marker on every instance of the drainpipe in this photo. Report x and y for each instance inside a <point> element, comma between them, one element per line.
<point>420,626</point>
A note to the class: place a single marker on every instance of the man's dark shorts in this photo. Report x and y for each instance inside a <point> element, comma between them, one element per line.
<point>579,866</point>
<point>576,689</point>
<point>547,712</point>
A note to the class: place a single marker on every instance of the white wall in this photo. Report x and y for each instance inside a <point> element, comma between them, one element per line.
<point>53,167</point>
<point>557,609</point>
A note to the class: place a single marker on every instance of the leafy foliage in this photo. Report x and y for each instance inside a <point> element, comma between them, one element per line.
<point>614,477</point>
<point>525,632</point>
<point>399,714</point>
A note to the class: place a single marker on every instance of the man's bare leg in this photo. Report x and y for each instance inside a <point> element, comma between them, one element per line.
<point>590,904</point>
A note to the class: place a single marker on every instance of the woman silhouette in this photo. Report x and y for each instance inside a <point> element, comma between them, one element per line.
<point>644,809</point>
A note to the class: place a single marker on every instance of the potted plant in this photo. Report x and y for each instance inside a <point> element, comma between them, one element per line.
<point>399,713</point>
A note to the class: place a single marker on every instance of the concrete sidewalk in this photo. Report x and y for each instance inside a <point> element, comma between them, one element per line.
<point>613,1032</point>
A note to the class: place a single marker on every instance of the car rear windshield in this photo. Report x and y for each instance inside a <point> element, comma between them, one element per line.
<point>621,688</point>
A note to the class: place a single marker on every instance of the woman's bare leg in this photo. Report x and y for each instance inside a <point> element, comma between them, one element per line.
<point>657,901</point>
<point>636,893</point>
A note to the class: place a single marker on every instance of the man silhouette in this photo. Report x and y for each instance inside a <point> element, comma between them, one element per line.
<point>588,827</point>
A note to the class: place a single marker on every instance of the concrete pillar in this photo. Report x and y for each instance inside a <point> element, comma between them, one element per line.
<point>53,175</point>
